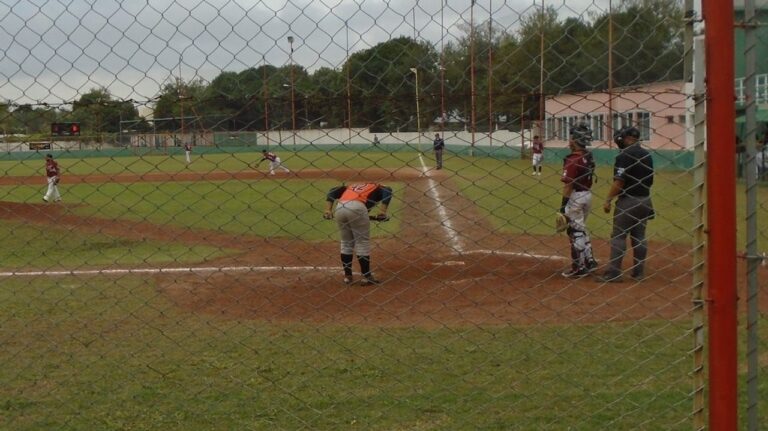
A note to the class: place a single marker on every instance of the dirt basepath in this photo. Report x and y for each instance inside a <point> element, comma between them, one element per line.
<point>447,266</point>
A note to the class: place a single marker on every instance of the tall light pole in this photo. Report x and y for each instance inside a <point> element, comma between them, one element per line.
<point>472,94</point>
<point>418,113</point>
<point>266,99</point>
<point>542,105</point>
<point>490,74</point>
<point>293,95</point>
<point>443,116</point>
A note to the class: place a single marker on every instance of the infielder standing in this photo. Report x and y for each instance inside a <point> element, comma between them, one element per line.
<point>576,203</point>
<point>53,174</point>
<point>274,162</point>
<point>632,181</point>
<point>351,214</point>
<point>537,149</point>
<point>188,152</point>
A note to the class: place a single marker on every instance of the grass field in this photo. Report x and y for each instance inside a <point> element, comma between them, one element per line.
<point>112,353</point>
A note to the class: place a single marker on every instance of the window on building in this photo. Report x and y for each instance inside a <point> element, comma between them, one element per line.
<point>639,119</point>
<point>549,128</point>
<point>621,119</point>
<point>562,128</point>
<point>644,124</point>
<point>670,119</point>
<point>681,119</point>
<point>597,124</point>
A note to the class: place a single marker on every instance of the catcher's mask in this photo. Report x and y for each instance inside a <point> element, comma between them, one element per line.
<point>581,135</point>
<point>624,132</point>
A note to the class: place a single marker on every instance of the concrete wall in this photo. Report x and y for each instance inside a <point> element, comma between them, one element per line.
<point>363,136</point>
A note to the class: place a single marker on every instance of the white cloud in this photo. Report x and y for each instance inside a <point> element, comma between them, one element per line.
<point>53,51</point>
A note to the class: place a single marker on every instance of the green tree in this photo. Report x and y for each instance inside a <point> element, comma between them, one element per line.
<point>177,99</point>
<point>98,112</point>
<point>384,88</point>
<point>6,120</point>
<point>648,45</point>
<point>30,120</point>
<point>327,98</point>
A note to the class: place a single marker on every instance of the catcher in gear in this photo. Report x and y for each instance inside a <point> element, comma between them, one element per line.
<point>576,203</point>
<point>561,222</point>
<point>53,175</point>
<point>354,223</point>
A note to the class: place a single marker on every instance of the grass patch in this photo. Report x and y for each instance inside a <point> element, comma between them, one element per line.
<point>102,353</point>
<point>282,208</point>
<point>517,202</point>
<point>31,246</point>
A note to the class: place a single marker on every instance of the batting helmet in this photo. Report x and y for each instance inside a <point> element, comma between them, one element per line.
<point>626,131</point>
<point>581,135</point>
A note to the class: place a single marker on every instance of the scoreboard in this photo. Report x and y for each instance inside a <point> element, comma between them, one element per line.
<point>65,129</point>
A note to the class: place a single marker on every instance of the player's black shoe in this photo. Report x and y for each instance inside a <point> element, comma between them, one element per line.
<point>610,277</point>
<point>575,273</point>
<point>592,266</point>
<point>369,281</point>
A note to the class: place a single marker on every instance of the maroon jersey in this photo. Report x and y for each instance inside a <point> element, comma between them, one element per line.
<point>537,147</point>
<point>578,169</point>
<point>269,156</point>
<point>51,168</point>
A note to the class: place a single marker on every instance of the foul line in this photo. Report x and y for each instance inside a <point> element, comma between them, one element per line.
<point>445,222</point>
<point>515,253</point>
<point>130,271</point>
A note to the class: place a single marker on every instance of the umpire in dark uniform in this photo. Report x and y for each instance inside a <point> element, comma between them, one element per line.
<point>438,145</point>
<point>632,181</point>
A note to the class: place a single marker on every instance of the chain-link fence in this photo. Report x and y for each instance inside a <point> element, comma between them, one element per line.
<point>186,189</point>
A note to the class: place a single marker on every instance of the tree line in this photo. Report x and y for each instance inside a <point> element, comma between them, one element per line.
<point>376,88</point>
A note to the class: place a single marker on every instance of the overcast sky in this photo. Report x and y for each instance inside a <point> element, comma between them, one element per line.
<point>55,50</point>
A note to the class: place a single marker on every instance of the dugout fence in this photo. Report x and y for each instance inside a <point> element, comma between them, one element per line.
<point>210,289</point>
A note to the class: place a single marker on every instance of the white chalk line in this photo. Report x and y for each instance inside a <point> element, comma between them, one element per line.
<point>213,269</point>
<point>518,254</point>
<point>451,232</point>
<point>200,269</point>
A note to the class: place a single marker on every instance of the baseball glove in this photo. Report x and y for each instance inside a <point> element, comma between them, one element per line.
<point>561,222</point>
<point>379,217</point>
<point>328,215</point>
<point>56,181</point>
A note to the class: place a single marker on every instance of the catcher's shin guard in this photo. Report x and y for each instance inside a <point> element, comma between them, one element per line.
<point>365,265</point>
<point>581,250</point>
<point>346,263</point>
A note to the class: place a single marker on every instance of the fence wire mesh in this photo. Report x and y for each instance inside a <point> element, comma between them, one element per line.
<point>169,265</point>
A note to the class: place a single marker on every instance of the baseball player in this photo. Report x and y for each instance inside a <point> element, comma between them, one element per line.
<point>188,152</point>
<point>274,162</point>
<point>576,203</point>
<point>53,174</point>
<point>351,214</point>
<point>632,181</point>
<point>438,145</point>
<point>537,148</point>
